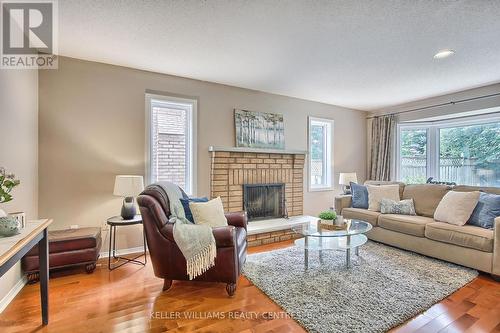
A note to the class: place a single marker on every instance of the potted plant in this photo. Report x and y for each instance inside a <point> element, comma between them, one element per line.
<point>328,216</point>
<point>9,225</point>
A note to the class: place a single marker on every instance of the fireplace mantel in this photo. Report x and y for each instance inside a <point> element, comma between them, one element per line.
<point>256,150</point>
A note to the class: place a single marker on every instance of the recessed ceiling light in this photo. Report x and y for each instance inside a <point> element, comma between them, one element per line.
<point>444,54</point>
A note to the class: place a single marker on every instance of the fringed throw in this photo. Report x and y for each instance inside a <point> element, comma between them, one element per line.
<point>196,242</point>
<point>201,261</point>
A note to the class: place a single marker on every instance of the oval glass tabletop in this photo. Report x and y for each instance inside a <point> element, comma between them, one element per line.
<point>316,229</point>
<point>331,243</point>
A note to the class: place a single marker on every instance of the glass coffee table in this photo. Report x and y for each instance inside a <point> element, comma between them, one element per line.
<point>319,238</point>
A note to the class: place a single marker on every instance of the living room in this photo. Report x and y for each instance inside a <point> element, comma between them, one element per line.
<point>204,166</point>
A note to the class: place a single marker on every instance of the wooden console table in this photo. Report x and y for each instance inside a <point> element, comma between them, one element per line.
<point>12,249</point>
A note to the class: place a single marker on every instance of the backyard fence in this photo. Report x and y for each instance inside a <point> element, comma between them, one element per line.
<point>459,170</point>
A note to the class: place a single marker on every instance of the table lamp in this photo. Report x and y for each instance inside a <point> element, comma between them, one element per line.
<point>128,187</point>
<point>345,179</point>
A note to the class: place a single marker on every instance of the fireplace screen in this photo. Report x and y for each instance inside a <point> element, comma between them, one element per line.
<point>264,200</point>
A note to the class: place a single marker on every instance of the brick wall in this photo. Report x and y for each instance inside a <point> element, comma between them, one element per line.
<point>230,170</point>
<point>169,145</point>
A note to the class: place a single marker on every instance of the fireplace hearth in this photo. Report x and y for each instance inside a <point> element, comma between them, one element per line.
<point>263,201</point>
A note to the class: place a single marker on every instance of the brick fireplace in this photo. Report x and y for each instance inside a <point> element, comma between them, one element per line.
<point>232,168</point>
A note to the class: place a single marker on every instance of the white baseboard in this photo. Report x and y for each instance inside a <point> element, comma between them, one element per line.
<point>5,301</point>
<point>122,252</point>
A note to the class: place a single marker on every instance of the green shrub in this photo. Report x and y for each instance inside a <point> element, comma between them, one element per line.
<point>328,215</point>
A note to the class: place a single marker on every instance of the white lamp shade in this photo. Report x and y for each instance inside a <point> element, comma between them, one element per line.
<point>347,177</point>
<point>128,186</point>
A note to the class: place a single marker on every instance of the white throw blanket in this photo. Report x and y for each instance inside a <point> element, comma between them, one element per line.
<point>196,242</point>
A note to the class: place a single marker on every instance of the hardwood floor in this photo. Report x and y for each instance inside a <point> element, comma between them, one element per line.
<point>130,299</point>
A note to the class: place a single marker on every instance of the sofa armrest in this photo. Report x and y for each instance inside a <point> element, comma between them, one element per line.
<point>225,236</point>
<point>342,201</point>
<point>237,219</point>
<point>495,269</point>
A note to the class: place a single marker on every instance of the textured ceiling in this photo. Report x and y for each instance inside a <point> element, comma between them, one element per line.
<point>358,54</point>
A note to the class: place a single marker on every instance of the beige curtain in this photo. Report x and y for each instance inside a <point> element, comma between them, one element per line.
<point>382,142</point>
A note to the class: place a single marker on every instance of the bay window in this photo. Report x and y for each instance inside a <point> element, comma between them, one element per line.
<point>466,152</point>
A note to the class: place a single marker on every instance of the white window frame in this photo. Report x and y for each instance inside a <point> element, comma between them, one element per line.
<point>191,107</point>
<point>328,157</point>
<point>433,138</point>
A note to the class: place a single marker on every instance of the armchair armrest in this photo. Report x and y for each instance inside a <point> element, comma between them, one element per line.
<point>168,231</point>
<point>225,236</point>
<point>342,201</point>
<point>237,219</point>
<point>495,269</point>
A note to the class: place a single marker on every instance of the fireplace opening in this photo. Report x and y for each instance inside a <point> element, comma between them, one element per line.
<point>263,201</point>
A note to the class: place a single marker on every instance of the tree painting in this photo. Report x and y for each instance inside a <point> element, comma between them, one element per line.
<point>259,129</point>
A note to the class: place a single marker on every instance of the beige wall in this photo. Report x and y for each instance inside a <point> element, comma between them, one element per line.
<point>92,127</point>
<point>19,148</point>
<point>448,109</point>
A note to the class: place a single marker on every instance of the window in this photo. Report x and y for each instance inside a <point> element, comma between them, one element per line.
<point>413,152</point>
<point>171,141</point>
<point>320,154</point>
<point>466,152</point>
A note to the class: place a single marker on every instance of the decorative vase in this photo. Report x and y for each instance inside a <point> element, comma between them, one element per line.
<point>9,226</point>
<point>21,217</point>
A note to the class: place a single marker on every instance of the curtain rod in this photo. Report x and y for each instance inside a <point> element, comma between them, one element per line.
<point>436,105</point>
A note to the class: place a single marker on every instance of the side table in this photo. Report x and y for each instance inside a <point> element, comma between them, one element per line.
<point>118,221</point>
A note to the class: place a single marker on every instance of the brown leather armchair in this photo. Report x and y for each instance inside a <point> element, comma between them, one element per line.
<point>168,261</point>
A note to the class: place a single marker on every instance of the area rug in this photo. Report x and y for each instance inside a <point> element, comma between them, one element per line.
<point>384,287</point>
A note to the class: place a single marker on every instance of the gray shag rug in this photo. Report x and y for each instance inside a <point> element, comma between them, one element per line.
<point>383,288</point>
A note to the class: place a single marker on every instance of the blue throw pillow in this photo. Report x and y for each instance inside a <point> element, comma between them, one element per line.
<point>359,196</point>
<point>487,208</point>
<point>185,203</point>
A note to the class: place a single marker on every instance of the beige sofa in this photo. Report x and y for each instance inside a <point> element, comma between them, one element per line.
<point>466,245</point>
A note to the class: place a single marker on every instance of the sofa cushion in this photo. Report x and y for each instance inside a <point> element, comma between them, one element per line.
<point>387,182</point>
<point>403,207</point>
<point>359,196</point>
<point>426,197</point>
<point>456,207</point>
<point>361,214</point>
<point>376,193</point>
<point>406,224</point>
<point>487,209</point>
<point>466,236</point>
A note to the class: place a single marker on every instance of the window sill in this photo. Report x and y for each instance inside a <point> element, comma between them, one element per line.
<point>321,189</point>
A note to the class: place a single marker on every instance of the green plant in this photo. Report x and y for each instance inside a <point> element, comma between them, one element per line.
<point>7,182</point>
<point>328,215</point>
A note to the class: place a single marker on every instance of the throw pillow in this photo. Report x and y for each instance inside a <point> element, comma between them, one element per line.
<point>185,203</point>
<point>359,196</point>
<point>487,209</point>
<point>403,207</point>
<point>210,213</point>
<point>377,193</point>
<point>456,207</point>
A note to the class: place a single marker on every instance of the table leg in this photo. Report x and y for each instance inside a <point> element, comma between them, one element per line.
<point>145,254</point>
<point>357,251</point>
<point>109,248</point>
<point>114,242</point>
<point>348,252</point>
<point>43,258</point>
<point>306,253</point>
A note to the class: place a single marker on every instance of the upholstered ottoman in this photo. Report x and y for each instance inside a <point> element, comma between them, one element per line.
<point>67,248</point>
